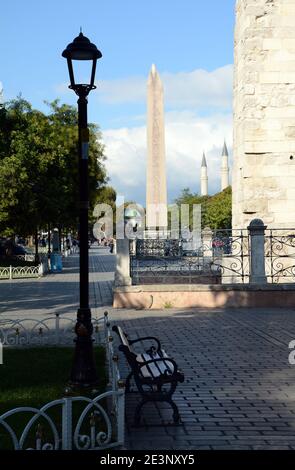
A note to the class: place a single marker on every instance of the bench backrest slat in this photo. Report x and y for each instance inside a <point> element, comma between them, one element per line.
<point>122,336</point>
<point>125,346</point>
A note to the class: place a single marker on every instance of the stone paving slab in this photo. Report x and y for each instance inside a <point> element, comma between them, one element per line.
<point>239,391</point>
<point>59,292</point>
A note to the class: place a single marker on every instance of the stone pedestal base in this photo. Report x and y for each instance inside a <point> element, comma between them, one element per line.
<point>204,296</point>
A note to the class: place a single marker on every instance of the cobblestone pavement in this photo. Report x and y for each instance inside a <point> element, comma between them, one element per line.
<point>59,293</point>
<point>239,391</point>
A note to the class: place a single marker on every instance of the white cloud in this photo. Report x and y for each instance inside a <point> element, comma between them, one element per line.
<point>187,135</point>
<point>198,88</point>
<point>122,90</point>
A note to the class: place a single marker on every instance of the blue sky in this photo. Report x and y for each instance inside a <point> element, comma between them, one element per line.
<point>191,43</point>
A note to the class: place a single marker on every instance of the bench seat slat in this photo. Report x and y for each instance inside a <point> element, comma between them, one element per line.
<point>158,368</point>
<point>150,370</point>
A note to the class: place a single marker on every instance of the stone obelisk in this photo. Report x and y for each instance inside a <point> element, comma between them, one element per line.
<point>156,186</point>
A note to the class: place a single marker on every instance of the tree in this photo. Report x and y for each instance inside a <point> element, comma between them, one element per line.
<point>64,167</point>
<point>39,160</point>
<point>105,195</point>
<point>216,210</point>
<point>219,210</point>
<point>19,166</point>
<point>192,199</point>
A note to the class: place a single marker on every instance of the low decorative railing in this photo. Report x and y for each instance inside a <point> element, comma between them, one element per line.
<point>71,423</point>
<point>94,428</point>
<point>56,330</point>
<point>11,272</point>
<point>18,272</point>
<point>224,257</point>
<point>230,257</point>
<point>115,380</point>
<point>280,255</point>
<point>161,248</point>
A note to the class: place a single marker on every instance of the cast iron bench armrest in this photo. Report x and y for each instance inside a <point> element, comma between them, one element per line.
<point>144,338</point>
<point>152,369</point>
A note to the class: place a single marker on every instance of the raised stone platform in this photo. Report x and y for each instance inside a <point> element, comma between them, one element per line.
<point>159,296</point>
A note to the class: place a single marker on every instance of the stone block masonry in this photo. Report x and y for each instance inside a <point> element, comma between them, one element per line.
<point>264,113</point>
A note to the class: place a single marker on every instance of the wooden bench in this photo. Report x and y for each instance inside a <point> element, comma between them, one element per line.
<point>156,375</point>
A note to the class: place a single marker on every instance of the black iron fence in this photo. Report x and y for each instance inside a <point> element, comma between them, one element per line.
<point>280,255</point>
<point>222,257</point>
<point>218,257</point>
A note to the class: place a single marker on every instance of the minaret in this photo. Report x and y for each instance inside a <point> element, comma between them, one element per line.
<point>156,186</point>
<point>224,168</point>
<point>204,177</point>
<point>1,94</point>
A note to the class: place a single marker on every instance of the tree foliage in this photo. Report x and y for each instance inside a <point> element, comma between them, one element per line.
<point>219,210</point>
<point>39,178</point>
<point>216,210</point>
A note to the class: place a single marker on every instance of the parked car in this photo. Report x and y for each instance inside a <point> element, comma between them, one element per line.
<point>19,250</point>
<point>8,249</point>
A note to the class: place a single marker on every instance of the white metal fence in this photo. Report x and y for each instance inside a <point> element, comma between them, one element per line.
<point>78,423</point>
<point>18,272</point>
<point>55,330</point>
<point>94,428</point>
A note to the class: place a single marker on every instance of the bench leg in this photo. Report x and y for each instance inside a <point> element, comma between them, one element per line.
<point>138,410</point>
<point>127,384</point>
<point>176,415</point>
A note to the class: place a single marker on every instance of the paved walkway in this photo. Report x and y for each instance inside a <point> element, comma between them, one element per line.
<point>239,391</point>
<point>59,293</point>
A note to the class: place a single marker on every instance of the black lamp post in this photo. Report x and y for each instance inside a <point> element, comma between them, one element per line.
<point>83,374</point>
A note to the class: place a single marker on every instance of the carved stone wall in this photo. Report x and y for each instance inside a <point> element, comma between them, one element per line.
<point>264,113</point>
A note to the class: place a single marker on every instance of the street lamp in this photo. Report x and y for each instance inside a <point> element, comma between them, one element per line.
<point>83,374</point>
<point>131,219</point>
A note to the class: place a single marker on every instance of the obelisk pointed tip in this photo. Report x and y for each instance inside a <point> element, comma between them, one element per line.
<point>154,76</point>
<point>153,69</point>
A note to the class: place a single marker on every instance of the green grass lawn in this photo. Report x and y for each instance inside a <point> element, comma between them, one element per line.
<point>33,377</point>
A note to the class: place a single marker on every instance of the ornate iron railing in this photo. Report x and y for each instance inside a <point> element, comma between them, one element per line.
<point>162,248</point>
<point>11,272</point>
<point>71,423</point>
<point>221,257</point>
<point>280,255</point>
<point>94,429</point>
<point>230,255</point>
<point>55,330</point>
<point>18,272</point>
